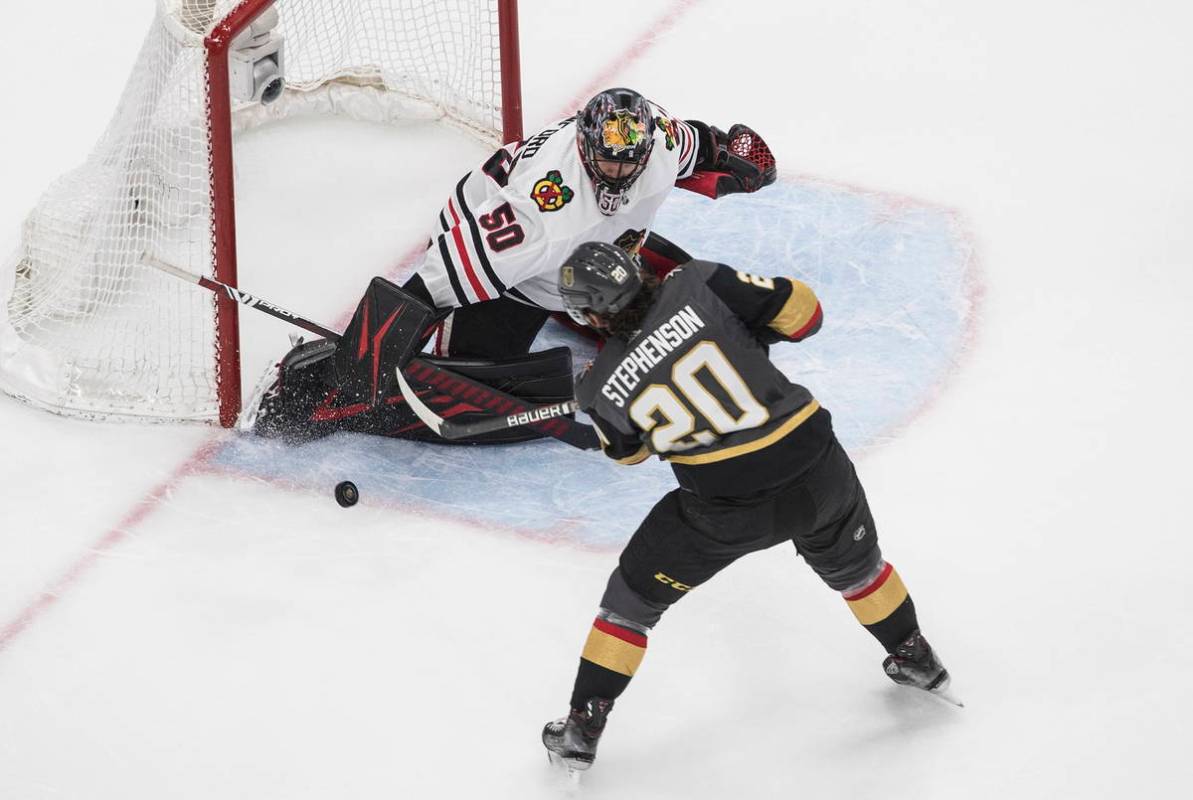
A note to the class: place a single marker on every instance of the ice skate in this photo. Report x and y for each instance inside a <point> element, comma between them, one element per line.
<point>915,664</point>
<point>571,741</point>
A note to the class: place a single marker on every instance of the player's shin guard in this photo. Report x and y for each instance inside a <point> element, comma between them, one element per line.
<point>883,606</point>
<point>611,656</point>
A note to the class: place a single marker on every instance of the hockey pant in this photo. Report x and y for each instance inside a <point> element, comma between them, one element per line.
<point>686,540</point>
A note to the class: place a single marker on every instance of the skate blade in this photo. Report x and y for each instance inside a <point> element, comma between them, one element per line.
<point>564,766</point>
<point>944,692</point>
<point>947,696</point>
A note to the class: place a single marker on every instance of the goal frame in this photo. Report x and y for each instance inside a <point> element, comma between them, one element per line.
<point>223,203</point>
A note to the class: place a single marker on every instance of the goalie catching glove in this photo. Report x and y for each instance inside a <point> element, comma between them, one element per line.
<point>733,162</point>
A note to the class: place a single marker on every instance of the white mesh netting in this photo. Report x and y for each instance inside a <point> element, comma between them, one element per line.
<point>85,328</point>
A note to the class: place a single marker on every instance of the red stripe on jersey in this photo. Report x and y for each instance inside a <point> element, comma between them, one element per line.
<point>689,139</point>
<point>439,345</point>
<point>817,316</point>
<point>874,586</point>
<point>626,635</point>
<point>458,238</point>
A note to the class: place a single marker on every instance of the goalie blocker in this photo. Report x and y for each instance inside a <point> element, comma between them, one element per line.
<point>323,387</point>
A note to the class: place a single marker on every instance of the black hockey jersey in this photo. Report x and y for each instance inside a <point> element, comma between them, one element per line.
<point>696,387</point>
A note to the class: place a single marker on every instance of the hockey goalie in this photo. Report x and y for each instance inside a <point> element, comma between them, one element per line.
<point>487,282</point>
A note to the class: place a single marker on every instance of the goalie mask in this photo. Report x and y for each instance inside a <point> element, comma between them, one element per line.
<point>615,134</point>
<point>600,278</point>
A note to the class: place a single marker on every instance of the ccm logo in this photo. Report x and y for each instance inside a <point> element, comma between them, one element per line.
<point>674,584</point>
<point>537,415</point>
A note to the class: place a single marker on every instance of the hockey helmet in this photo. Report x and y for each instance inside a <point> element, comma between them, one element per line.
<point>615,134</point>
<point>598,277</point>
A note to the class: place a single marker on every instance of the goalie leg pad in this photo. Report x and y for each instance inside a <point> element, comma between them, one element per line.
<point>386,331</point>
<point>306,401</point>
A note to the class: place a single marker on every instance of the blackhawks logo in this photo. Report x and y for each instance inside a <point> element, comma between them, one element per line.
<point>623,131</point>
<point>668,130</point>
<point>550,194</point>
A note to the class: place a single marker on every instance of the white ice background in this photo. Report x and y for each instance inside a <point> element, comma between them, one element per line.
<point>995,202</point>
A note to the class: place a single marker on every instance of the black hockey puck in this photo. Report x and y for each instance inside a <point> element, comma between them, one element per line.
<point>347,494</point>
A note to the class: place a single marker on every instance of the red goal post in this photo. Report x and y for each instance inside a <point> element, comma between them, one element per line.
<point>83,329</point>
<point>222,187</point>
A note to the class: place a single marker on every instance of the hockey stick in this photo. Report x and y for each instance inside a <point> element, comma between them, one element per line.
<point>513,417</point>
<point>241,297</point>
<point>549,420</point>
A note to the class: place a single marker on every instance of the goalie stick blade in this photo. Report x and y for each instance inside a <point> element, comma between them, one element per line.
<point>451,429</point>
<point>511,412</point>
<point>420,409</point>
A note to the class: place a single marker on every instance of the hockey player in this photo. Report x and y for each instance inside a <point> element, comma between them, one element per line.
<point>600,175</point>
<point>684,375</point>
<point>491,265</point>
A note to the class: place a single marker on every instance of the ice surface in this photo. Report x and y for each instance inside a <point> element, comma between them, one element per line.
<point>895,277</point>
<point>993,204</point>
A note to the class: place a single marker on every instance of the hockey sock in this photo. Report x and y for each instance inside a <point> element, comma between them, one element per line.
<point>610,658</point>
<point>884,607</point>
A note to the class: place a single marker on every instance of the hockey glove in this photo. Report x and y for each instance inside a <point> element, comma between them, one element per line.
<point>729,163</point>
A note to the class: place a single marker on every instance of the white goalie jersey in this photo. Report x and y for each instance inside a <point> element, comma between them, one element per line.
<point>512,221</point>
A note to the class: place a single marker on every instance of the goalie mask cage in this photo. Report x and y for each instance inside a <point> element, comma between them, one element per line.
<point>85,328</point>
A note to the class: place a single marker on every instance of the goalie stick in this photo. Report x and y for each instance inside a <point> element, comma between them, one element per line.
<point>244,298</point>
<point>510,417</point>
<point>508,411</point>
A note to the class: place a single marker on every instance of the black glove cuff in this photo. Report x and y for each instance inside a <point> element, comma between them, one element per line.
<point>708,147</point>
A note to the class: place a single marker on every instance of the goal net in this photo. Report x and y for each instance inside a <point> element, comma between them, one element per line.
<point>85,327</point>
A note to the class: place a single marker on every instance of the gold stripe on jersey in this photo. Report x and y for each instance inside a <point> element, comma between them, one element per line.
<point>793,422</point>
<point>637,458</point>
<point>798,311</point>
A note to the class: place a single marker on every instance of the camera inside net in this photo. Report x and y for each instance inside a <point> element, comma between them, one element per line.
<point>256,61</point>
